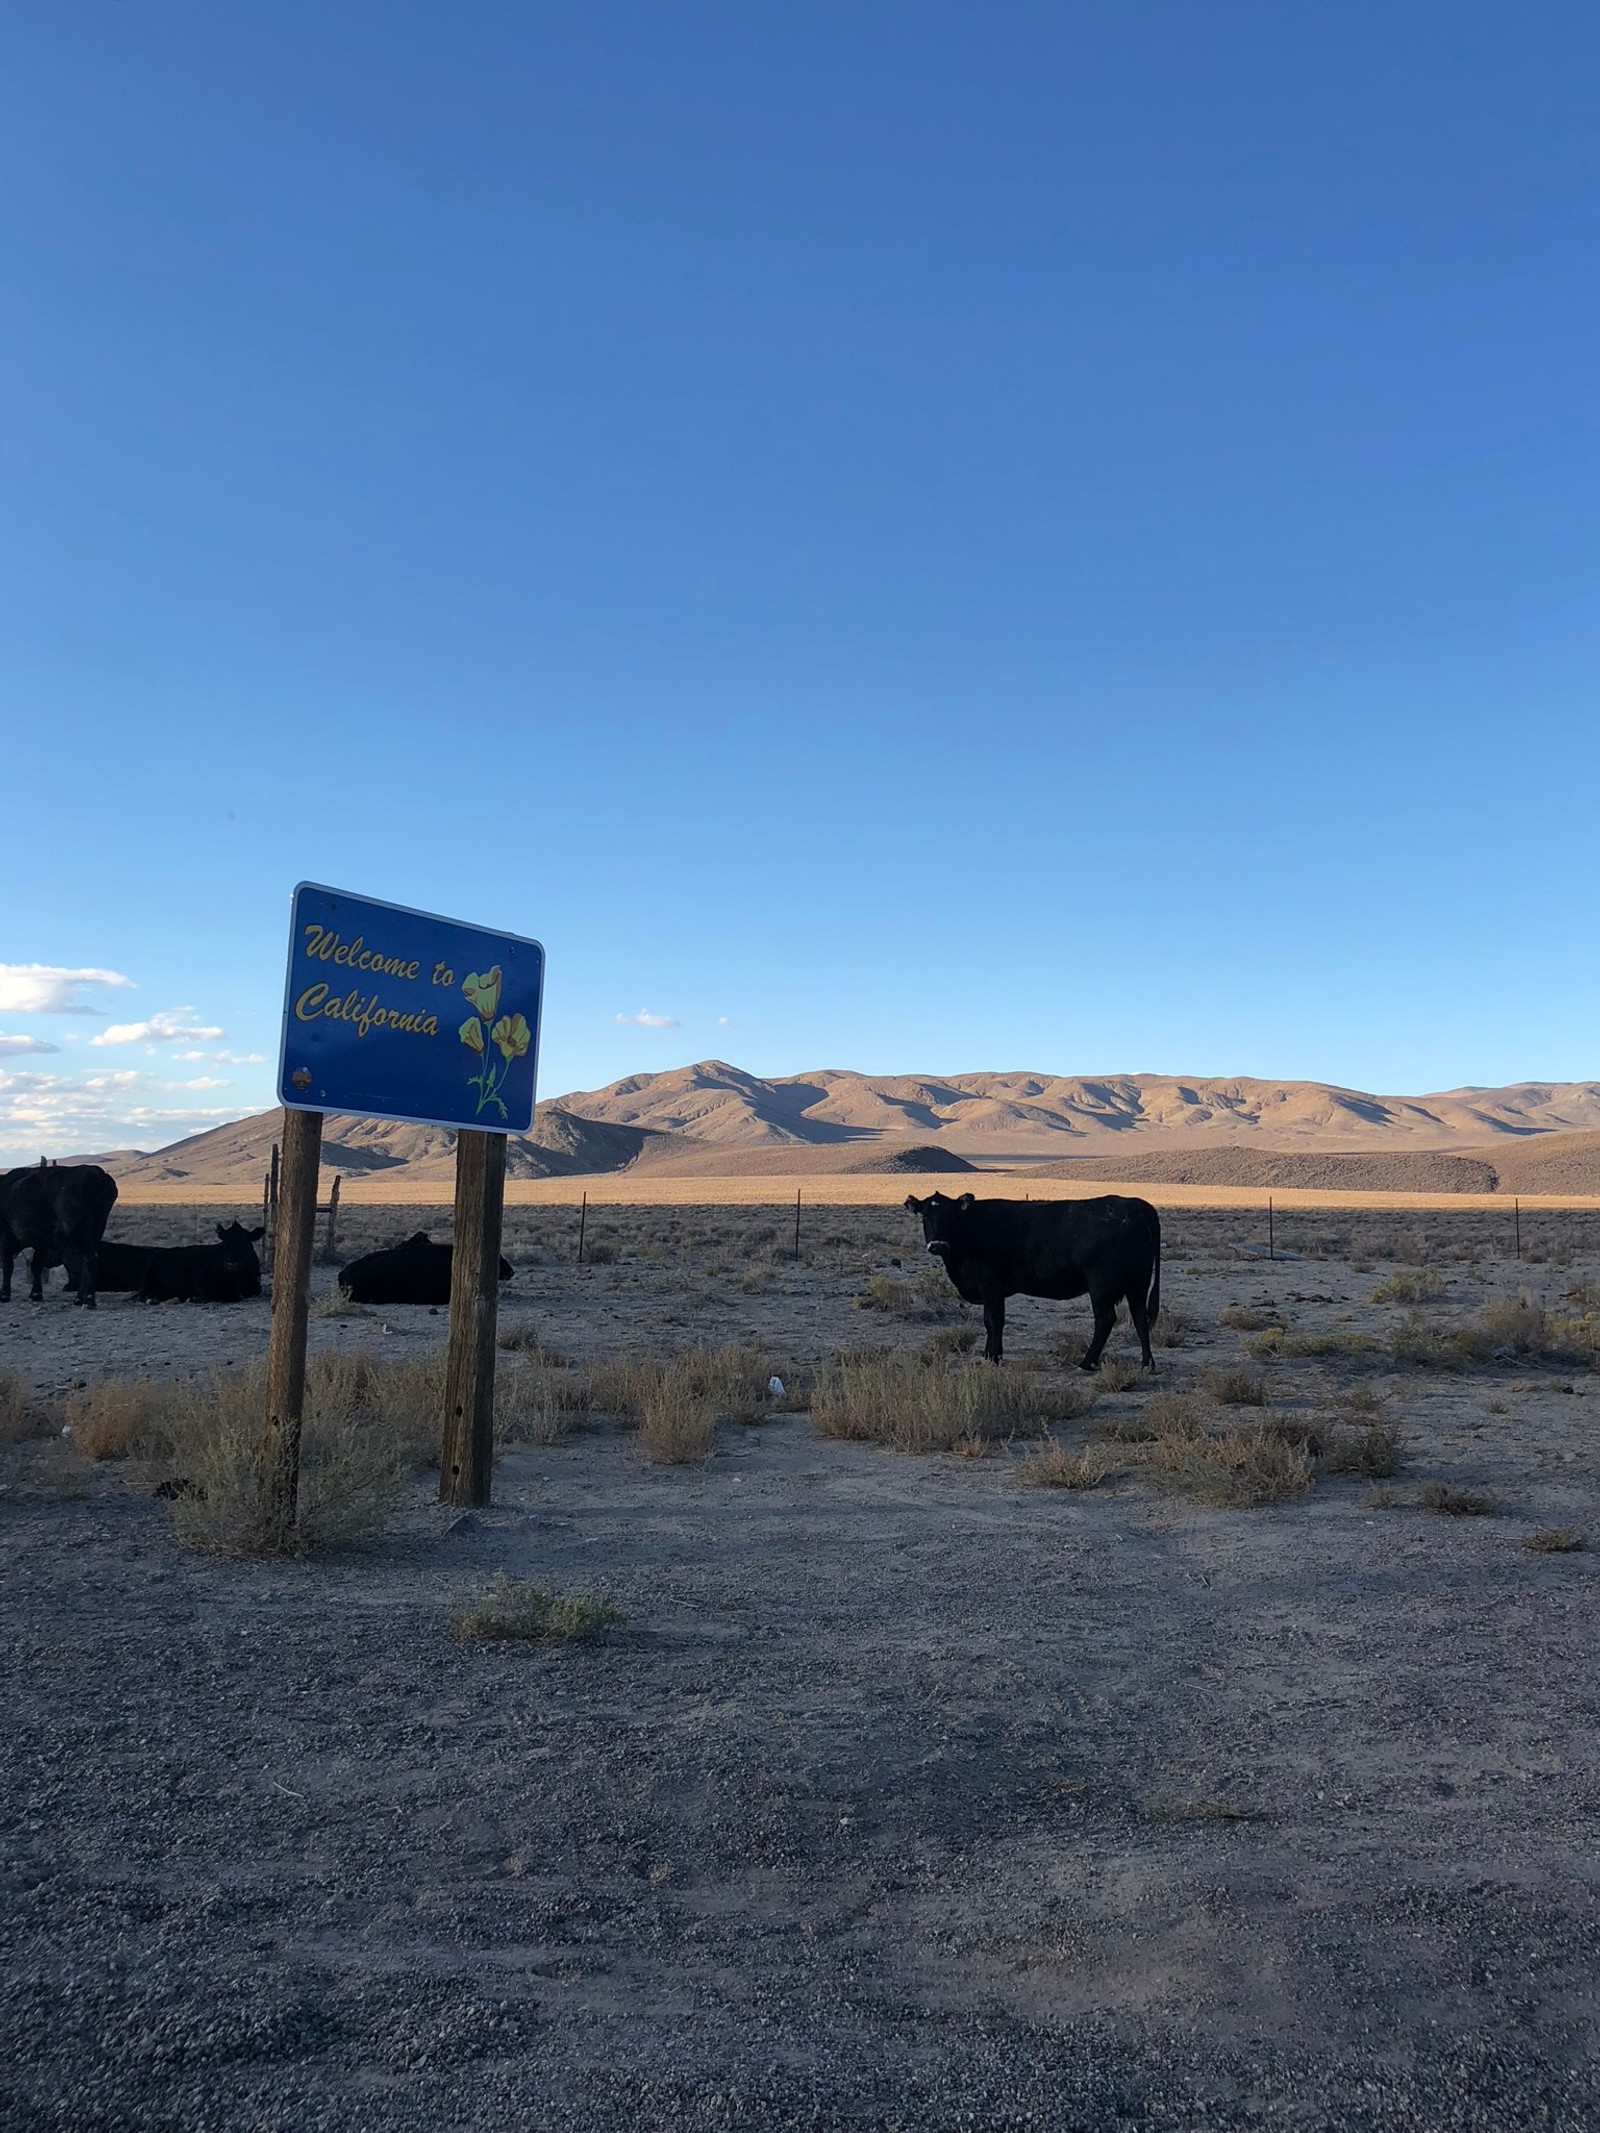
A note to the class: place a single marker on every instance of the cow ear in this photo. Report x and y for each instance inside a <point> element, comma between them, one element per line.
<point>966,1200</point>
<point>221,1230</point>
<point>252,1234</point>
<point>913,1204</point>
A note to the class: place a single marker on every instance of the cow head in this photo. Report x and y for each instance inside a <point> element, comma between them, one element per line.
<point>941,1220</point>
<point>238,1243</point>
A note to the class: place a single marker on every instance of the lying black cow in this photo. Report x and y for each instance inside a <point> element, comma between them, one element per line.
<point>1106,1249</point>
<point>416,1272</point>
<point>58,1212</point>
<point>119,1267</point>
<point>225,1272</point>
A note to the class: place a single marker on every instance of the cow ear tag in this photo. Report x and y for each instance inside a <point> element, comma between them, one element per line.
<point>965,1201</point>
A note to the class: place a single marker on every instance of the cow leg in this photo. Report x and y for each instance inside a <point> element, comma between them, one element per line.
<point>37,1263</point>
<point>1105,1317</point>
<point>1139,1312</point>
<point>994,1328</point>
<point>80,1276</point>
<point>8,1259</point>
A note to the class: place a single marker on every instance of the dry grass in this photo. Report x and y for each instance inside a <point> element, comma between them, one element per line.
<point>676,1422</point>
<point>1119,1373</point>
<point>1249,1318</point>
<point>109,1419</point>
<point>1277,1341</point>
<point>1554,1540</point>
<point>1235,1387</point>
<point>1408,1285</point>
<point>948,1341</point>
<point>1171,1329</point>
<point>1451,1502</point>
<point>676,1401</point>
<point>1517,1328</point>
<point>877,1396</point>
<point>541,1402</point>
<point>1239,1469</point>
<point>24,1414</point>
<point>1218,1808</point>
<point>1369,1452</point>
<point>513,1611</point>
<point>1057,1468</point>
<point>524,1340</point>
<point>928,1294</point>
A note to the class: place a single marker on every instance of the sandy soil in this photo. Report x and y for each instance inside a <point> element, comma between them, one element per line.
<point>907,1796</point>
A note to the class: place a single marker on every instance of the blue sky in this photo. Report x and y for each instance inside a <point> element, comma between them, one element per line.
<point>1024,536</point>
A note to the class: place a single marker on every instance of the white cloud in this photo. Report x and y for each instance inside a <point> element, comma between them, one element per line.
<point>13,1047</point>
<point>57,1114</point>
<point>167,1027</point>
<point>723,1021</point>
<point>46,989</point>
<point>231,1058</point>
<point>645,1020</point>
<point>201,1081</point>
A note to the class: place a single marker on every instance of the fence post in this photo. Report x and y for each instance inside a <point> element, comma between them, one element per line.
<point>286,1343</point>
<point>467,1454</point>
<point>333,1224</point>
<point>583,1223</point>
<point>1272,1248</point>
<point>1516,1216</point>
<point>797,1229</point>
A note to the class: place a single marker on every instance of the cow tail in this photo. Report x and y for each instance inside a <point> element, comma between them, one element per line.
<point>1153,1305</point>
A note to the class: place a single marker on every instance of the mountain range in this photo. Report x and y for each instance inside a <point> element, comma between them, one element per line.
<point>714,1119</point>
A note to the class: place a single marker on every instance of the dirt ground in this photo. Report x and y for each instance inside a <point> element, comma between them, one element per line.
<point>907,1796</point>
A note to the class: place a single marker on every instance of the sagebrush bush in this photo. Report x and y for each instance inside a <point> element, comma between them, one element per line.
<point>1554,1540</point>
<point>1451,1502</point>
<point>1409,1285</point>
<point>368,1426</point>
<point>1239,1469</point>
<point>1277,1341</point>
<point>1057,1468</point>
<point>1249,1318</point>
<point>1235,1387</point>
<point>514,1611</point>
<point>878,1396</point>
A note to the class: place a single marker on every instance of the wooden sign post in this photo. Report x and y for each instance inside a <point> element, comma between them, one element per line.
<point>286,1346</point>
<point>467,1454</point>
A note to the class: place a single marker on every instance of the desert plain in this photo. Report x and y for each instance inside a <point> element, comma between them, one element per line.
<point>908,1791</point>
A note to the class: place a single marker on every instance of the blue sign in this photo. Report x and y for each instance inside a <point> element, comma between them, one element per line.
<point>398,1014</point>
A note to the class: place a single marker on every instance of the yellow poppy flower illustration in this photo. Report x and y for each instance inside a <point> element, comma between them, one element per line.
<point>511,1035</point>
<point>484,991</point>
<point>471,1032</point>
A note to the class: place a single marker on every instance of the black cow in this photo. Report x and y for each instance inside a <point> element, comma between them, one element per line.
<point>225,1272</point>
<point>416,1272</point>
<point>58,1212</point>
<point>1106,1249</point>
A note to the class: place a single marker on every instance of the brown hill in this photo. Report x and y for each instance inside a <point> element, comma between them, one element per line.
<point>1404,1170</point>
<point>982,1115</point>
<point>235,1157</point>
<point>717,1120</point>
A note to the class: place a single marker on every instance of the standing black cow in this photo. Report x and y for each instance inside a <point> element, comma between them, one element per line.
<point>1106,1249</point>
<point>225,1272</point>
<point>58,1212</point>
<point>416,1272</point>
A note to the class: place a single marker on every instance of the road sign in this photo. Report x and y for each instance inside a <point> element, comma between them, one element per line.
<point>393,1013</point>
